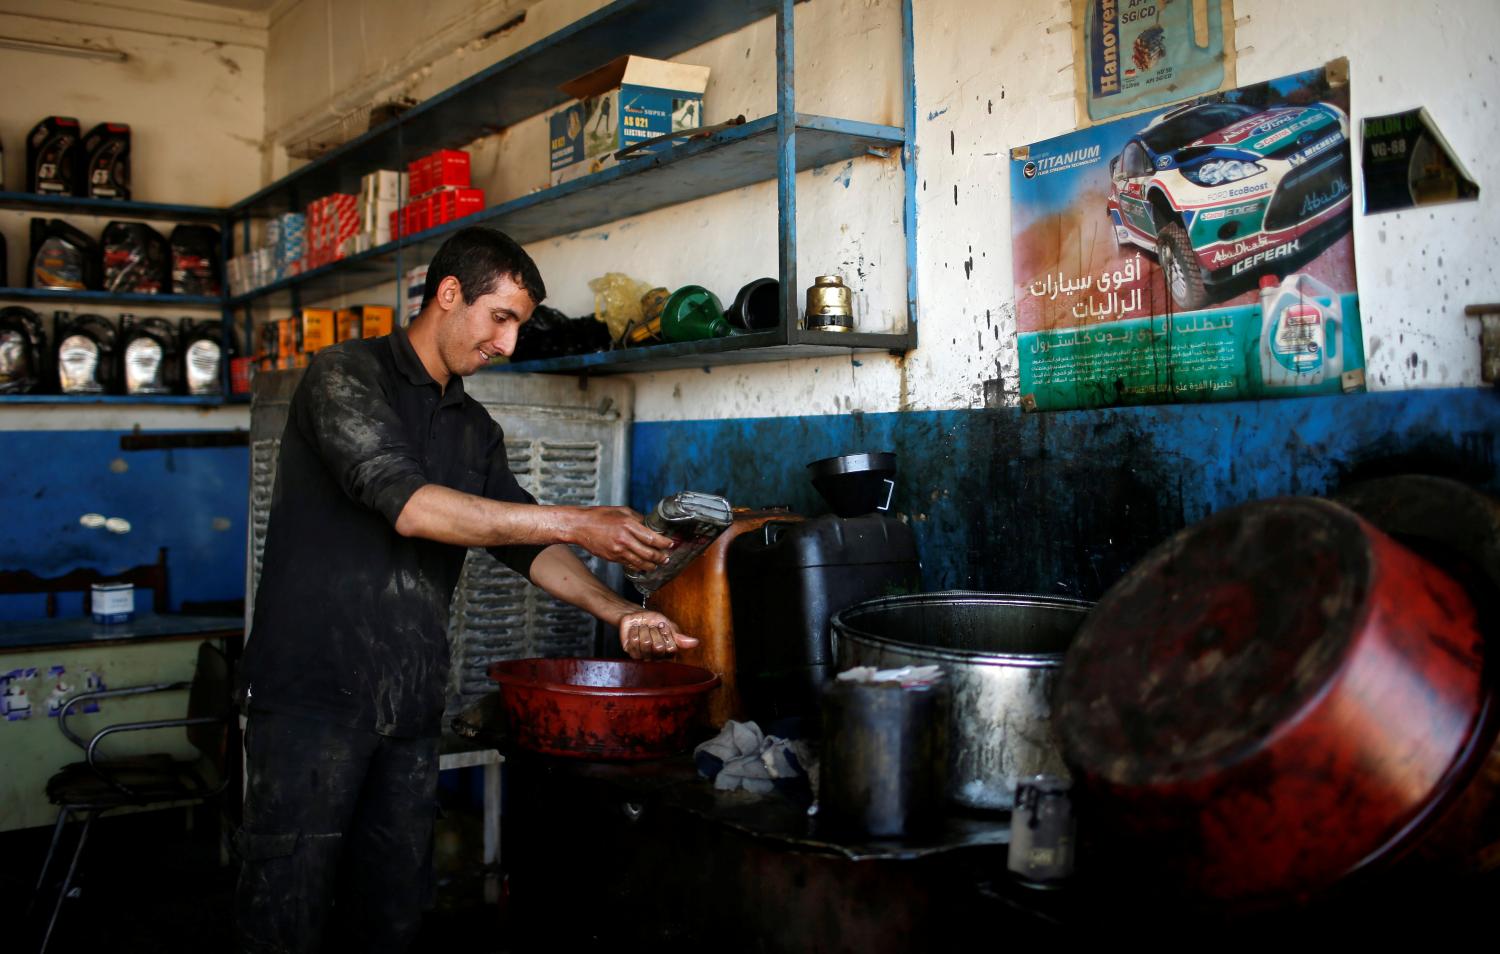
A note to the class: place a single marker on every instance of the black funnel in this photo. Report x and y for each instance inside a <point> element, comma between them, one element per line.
<point>856,484</point>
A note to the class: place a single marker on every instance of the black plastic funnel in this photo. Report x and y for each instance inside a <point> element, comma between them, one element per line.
<point>856,484</point>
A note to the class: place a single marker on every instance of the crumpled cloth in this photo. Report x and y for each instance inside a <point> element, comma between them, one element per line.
<point>743,757</point>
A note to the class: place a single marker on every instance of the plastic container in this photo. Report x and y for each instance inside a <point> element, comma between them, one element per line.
<point>787,580</point>
<point>1302,326</point>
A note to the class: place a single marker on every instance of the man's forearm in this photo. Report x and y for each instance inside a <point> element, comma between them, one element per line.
<point>559,571</point>
<point>446,515</point>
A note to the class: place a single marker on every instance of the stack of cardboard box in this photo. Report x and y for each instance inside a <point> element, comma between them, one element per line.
<point>290,342</point>
<point>380,196</point>
<point>440,192</point>
<point>330,221</point>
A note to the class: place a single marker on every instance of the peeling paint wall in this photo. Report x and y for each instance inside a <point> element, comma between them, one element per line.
<point>192,90</point>
<point>988,77</point>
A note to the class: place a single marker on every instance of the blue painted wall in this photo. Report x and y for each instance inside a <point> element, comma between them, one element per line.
<point>1058,502</point>
<point>1065,502</point>
<point>191,501</point>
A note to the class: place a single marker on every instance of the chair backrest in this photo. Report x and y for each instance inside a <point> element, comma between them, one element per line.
<point>210,697</point>
<point>151,576</point>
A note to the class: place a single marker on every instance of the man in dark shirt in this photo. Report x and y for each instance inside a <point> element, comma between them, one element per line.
<point>388,472</point>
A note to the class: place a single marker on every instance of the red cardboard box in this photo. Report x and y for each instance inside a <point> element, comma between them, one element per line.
<point>469,202</point>
<point>450,168</point>
<point>416,177</point>
<point>395,225</point>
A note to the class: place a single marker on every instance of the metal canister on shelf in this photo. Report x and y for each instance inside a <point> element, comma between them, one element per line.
<point>1042,830</point>
<point>829,305</point>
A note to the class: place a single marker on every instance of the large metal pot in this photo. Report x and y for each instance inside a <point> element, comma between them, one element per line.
<point>1002,653</point>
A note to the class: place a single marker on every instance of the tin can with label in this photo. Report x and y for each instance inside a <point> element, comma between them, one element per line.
<point>1042,830</point>
<point>113,602</point>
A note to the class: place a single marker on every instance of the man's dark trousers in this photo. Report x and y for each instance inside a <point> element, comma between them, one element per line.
<point>337,839</point>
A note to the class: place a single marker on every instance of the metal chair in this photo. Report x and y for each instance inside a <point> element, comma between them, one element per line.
<point>100,784</point>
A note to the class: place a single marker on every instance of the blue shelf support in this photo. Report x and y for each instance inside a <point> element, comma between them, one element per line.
<point>786,168</point>
<point>909,165</point>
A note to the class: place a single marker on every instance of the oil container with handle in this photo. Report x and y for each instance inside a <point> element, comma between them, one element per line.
<point>786,582</point>
<point>698,600</point>
<point>693,520</point>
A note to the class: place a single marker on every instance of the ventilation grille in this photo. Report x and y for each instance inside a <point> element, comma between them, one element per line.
<point>263,457</point>
<point>497,614</point>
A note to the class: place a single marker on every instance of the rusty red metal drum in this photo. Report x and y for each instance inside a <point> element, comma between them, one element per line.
<point>602,708</point>
<point>1275,698</point>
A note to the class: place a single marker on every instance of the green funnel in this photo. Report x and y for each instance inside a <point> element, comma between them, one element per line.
<point>693,313</point>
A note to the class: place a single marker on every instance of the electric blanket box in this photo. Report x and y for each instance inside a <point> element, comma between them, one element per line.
<point>625,101</point>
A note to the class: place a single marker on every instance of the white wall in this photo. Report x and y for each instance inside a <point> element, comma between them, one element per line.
<point>989,76</point>
<point>192,90</point>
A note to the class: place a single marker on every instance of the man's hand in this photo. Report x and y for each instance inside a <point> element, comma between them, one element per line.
<point>646,634</point>
<point>618,534</point>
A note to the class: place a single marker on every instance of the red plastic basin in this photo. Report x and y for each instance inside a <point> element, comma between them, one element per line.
<point>602,708</point>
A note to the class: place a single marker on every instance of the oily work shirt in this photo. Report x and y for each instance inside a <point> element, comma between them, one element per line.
<point>351,618</point>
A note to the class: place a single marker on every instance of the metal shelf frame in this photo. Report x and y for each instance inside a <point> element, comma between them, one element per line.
<point>110,208</point>
<point>524,85</point>
<point>105,298</point>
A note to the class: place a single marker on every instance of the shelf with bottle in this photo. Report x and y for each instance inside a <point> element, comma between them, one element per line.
<point>771,148</point>
<point>743,348</point>
<point>88,358</point>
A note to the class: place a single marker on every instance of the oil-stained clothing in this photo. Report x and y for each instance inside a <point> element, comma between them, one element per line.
<point>351,618</point>
<point>341,855</point>
<point>346,668</point>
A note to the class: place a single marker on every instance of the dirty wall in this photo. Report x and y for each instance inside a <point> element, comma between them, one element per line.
<point>192,90</point>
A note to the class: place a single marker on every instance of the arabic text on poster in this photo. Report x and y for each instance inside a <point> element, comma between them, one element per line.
<point>1201,252</point>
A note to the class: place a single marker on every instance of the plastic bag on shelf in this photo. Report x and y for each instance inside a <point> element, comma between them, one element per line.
<point>617,300</point>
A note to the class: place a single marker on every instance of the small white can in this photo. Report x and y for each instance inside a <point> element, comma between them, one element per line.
<point>113,602</point>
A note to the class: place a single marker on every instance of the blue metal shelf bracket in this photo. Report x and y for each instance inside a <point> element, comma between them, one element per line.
<point>786,167</point>
<point>909,164</point>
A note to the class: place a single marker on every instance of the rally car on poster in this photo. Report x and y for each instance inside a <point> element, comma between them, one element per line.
<point>1223,191</point>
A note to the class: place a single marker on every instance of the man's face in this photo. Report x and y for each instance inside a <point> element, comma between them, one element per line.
<point>473,333</point>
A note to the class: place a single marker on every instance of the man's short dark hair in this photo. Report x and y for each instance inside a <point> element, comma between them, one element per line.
<point>479,257</point>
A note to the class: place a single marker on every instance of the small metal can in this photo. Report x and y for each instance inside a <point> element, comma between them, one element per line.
<point>1042,830</point>
<point>829,305</point>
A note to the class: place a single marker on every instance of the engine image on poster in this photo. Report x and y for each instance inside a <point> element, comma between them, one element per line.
<point>1199,252</point>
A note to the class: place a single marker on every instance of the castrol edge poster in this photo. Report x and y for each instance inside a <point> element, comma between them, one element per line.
<point>1198,252</point>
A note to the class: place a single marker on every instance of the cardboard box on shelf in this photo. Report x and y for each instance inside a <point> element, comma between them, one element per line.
<point>382,185</point>
<point>346,324</point>
<point>446,168</point>
<point>317,328</point>
<point>376,320</point>
<point>624,101</point>
<point>287,345</point>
